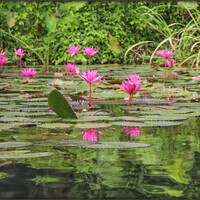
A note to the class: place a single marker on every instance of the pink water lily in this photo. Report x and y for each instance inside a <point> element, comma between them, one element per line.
<point>90,51</point>
<point>2,53</point>
<point>134,79</point>
<point>28,72</point>
<point>73,50</point>
<point>90,135</point>
<point>170,64</point>
<point>133,131</point>
<point>70,68</point>
<point>132,86</point>
<point>19,52</point>
<point>170,99</point>
<point>196,78</point>
<point>58,74</point>
<point>2,61</point>
<point>49,110</point>
<point>165,54</point>
<point>90,77</point>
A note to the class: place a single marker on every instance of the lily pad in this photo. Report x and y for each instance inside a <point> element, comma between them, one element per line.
<point>17,155</point>
<point>148,124</point>
<point>5,145</point>
<point>99,145</point>
<point>60,105</point>
<point>43,137</point>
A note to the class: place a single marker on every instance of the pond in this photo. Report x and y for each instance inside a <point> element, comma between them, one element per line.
<point>148,150</point>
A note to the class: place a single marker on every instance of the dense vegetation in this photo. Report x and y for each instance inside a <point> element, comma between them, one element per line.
<point>46,29</point>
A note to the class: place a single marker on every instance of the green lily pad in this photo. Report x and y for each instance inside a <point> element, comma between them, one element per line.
<point>17,155</point>
<point>43,137</point>
<point>60,106</point>
<point>5,145</point>
<point>93,145</point>
<point>148,124</point>
<point>79,126</point>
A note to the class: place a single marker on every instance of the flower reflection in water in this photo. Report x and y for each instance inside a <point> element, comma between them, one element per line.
<point>90,135</point>
<point>132,131</point>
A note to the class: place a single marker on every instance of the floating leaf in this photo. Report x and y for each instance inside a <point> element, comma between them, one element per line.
<point>147,124</point>
<point>60,106</point>
<point>99,145</point>
<point>5,145</point>
<point>24,155</point>
<point>43,137</point>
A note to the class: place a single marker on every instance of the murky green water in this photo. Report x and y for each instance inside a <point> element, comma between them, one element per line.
<point>169,168</point>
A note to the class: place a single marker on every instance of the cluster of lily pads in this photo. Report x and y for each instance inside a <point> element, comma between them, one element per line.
<point>131,125</point>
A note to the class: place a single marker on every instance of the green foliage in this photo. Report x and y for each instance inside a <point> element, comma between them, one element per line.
<point>60,105</point>
<point>50,27</point>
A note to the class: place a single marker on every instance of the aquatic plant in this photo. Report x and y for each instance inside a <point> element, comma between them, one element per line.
<point>90,135</point>
<point>132,86</point>
<point>58,74</point>
<point>90,51</point>
<point>2,61</point>
<point>73,50</point>
<point>170,64</point>
<point>72,68</point>
<point>20,53</point>
<point>2,53</point>
<point>165,54</point>
<point>196,78</point>
<point>90,77</point>
<point>28,72</point>
<point>49,110</point>
<point>133,131</point>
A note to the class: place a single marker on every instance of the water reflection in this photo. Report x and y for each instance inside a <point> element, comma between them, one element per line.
<point>90,135</point>
<point>132,131</point>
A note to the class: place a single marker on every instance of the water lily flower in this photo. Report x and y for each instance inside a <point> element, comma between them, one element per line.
<point>58,74</point>
<point>72,68</point>
<point>90,51</point>
<point>90,77</point>
<point>49,110</point>
<point>170,99</point>
<point>132,86</point>
<point>133,131</point>
<point>73,50</point>
<point>2,61</point>
<point>28,72</point>
<point>170,64</point>
<point>134,79</point>
<point>165,54</point>
<point>196,78</point>
<point>19,52</point>
<point>90,135</point>
<point>2,53</point>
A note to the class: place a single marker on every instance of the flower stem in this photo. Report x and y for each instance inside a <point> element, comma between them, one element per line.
<point>170,73</point>
<point>20,62</point>
<point>165,71</point>
<point>90,103</point>
<point>2,69</point>
<point>130,99</point>
<point>89,62</point>
<point>74,60</point>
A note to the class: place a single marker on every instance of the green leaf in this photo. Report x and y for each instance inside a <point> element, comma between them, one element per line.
<point>60,105</point>
<point>5,145</point>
